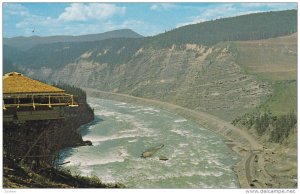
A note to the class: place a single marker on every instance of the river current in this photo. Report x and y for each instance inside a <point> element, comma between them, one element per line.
<point>121,132</point>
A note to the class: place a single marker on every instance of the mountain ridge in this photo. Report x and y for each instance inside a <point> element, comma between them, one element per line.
<point>253,26</point>
<point>25,43</point>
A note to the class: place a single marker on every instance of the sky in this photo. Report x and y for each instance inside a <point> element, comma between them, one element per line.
<point>147,19</point>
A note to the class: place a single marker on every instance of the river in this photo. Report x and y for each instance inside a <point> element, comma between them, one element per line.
<point>121,132</point>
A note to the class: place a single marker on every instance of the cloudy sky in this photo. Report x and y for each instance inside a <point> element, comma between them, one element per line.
<point>20,19</point>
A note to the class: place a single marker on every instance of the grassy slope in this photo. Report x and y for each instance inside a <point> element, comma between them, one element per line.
<point>283,99</point>
<point>275,61</point>
<point>272,59</point>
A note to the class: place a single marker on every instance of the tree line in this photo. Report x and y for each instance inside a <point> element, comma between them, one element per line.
<point>246,27</point>
<point>79,94</point>
<point>277,127</point>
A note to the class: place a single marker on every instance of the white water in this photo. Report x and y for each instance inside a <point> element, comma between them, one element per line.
<point>198,158</point>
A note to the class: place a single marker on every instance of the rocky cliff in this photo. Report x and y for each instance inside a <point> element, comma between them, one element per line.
<point>194,76</point>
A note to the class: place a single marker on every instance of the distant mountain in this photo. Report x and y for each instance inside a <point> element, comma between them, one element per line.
<point>25,43</point>
<point>56,55</point>
<point>10,58</point>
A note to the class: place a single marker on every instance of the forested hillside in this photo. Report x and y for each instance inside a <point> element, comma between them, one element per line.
<point>247,27</point>
<point>57,55</point>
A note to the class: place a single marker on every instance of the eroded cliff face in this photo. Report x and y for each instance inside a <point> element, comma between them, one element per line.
<point>194,76</point>
<point>73,119</point>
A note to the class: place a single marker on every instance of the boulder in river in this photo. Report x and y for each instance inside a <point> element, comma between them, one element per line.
<point>84,143</point>
<point>87,143</point>
<point>151,151</point>
<point>163,158</point>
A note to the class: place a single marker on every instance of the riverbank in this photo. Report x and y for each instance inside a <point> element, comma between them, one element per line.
<point>251,169</point>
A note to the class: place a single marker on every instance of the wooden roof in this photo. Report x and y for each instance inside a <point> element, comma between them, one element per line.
<point>16,83</point>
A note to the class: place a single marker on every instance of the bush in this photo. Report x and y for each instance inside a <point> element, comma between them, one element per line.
<point>282,127</point>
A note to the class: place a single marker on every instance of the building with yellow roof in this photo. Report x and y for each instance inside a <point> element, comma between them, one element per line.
<point>16,83</point>
<point>28,99</point>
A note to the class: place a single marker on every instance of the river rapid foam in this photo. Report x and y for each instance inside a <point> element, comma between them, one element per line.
<point>197,157</point>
